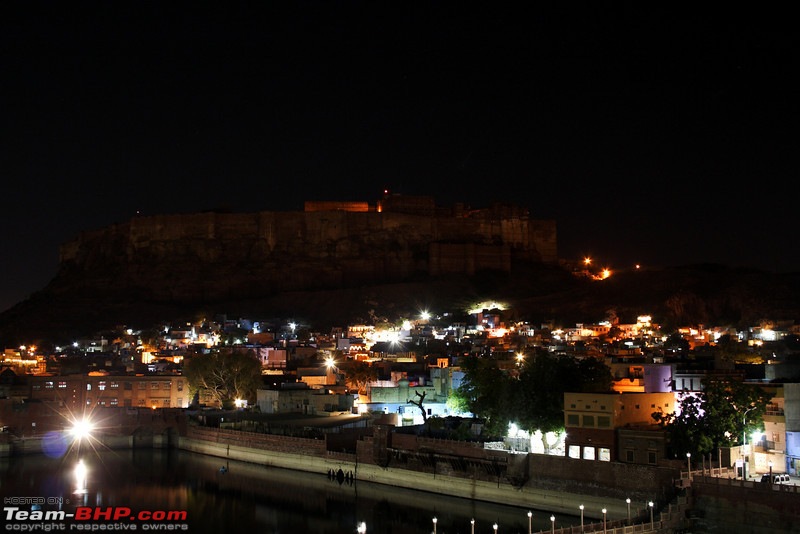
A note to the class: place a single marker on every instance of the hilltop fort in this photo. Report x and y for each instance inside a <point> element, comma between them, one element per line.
<point>210,256</point>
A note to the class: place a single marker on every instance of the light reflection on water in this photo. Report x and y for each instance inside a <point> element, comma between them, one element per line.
<point>252,498</point>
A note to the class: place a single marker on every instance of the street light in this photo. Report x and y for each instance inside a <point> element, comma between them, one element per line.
<point>650,504</point>
<point>552,523</point>
<point>434,525</point>
<point>530,515</point>
<point>472,526</point>
<point>581,507</point>
<point>744,442</point>
<point>495,528</point>
<point>628,501</point>
<point>362,528</point>
<point>604,520</point>
<point>689,465</point>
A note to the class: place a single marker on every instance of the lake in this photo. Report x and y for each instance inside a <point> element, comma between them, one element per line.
<point>193,494</point>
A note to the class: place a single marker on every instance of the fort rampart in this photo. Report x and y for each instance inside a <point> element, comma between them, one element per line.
<point>260,253</point>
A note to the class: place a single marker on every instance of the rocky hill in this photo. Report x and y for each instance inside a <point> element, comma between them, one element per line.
<point>329,268</point>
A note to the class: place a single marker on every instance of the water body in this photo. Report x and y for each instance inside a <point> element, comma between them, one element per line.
<point>244,498</point>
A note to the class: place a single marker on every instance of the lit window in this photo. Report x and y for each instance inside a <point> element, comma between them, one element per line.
<point>588,453</point>
<point>604,454</point>
<point>101,385</point>
<point>574,451</point>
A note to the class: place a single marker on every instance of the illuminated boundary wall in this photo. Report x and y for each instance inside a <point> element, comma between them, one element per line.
<point>552,487</point>
<point>732,505</point>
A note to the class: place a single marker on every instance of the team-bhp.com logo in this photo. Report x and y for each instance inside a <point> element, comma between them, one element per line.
<point>94,518</point>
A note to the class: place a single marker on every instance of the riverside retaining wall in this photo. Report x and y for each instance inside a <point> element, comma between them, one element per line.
<point>309,455</point>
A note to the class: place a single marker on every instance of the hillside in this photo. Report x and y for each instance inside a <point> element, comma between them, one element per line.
<point>333,265</point>
<point>71,307</point>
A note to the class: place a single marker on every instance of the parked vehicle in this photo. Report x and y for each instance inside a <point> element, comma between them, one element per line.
<point>776,479</point>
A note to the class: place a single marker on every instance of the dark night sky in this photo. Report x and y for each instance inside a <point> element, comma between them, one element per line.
<point>655,135</point>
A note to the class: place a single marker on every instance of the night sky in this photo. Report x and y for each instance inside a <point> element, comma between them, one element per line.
<point>657,135</point>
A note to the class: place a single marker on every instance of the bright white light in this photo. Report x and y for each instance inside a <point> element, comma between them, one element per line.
<point>80,477</point>
<point>82,429</point>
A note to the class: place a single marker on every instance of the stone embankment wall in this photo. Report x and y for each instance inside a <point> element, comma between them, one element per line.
<point>547,482</point>
<point>733,505</point>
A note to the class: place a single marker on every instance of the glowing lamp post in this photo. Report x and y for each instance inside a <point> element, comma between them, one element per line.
<point>744,442</point>
<point>362,528</point>
<point>604,520</point>
<point>689,465</point>
<point>472,526</point>
<point>581,507</point>
<point>434,525</point>
<point>495,528</point>
<point>628,502</point>
<point>650,504</point>
<point>530,516</point>
<point>552,523</point>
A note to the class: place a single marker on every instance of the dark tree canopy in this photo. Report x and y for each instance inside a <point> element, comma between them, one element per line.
<point>719,416</point>
<point>227,375</point>
<point>532,396</point>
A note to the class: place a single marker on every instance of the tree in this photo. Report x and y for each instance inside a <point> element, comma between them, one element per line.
<point>227,376</point>
<point>419,404</point>
<point>359,374</point>
<point>731,350</point>
<point>725,411</point>
<point>540,399</point>
<point>487,392</point>
<point>533,398</point>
